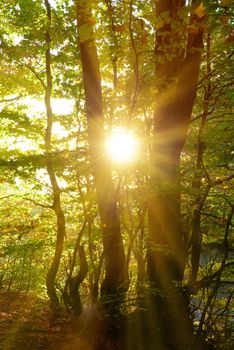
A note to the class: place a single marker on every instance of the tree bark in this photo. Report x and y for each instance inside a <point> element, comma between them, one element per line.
<point>52,272</point>
<point>114,283</point>
<point>196,232</point>
<point>75,282</point>
<point>176,79</point>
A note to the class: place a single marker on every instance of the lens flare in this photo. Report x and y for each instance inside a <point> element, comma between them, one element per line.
<point>122,146</point>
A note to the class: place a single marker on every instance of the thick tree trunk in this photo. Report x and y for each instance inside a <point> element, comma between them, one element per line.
<point>115,280</point>
<point>176,83</point>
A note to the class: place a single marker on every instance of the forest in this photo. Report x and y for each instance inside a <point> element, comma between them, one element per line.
<point>116,175</point>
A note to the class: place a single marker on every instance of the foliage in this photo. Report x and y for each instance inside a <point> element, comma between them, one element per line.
<point>124,34</point>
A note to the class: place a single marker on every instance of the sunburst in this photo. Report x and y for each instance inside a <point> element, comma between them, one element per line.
<point>122,146</point>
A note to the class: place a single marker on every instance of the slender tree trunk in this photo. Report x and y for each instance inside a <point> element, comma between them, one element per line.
<point>114,283</point>
<point>75,282</point>
<point>176,82</point>
<point>52,272</point>
<point>196,234</point>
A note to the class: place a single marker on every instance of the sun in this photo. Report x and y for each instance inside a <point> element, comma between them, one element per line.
<point>122,146</point>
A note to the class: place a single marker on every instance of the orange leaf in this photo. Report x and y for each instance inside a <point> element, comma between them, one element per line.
<point>200,10</point>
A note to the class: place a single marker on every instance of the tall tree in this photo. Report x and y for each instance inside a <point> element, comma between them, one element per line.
<point>177,70</point>
<point>57,207</point>
<point>115,280</point>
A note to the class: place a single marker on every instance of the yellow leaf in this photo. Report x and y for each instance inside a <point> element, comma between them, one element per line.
<point>200,11</point>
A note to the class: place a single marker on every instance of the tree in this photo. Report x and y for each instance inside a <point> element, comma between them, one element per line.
<point>115,280</point>
<point>51,274</point>
<point>177,71</point>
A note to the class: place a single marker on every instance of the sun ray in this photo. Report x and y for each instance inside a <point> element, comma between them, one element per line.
<point>122,146</point>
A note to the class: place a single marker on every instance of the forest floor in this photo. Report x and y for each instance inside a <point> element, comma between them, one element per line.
<point>26,324</point>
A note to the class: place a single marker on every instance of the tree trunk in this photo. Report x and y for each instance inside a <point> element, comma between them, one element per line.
<point>75,282</point>
<point>114,284</point>
<point>176,84</point>
<point>196,233</point>
<point>52,272</point>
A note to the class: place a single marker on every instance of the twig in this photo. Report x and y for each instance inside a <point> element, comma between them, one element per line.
<point>7,196</point>
<point>11,99</point>
<point>36,75</point>
<point>37,203</point>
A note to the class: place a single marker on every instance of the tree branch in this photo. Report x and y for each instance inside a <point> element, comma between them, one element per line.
<point>47,206</point>
<point>36,75</point>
